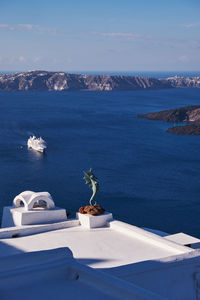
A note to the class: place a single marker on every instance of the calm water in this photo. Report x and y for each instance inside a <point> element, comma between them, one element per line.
<point>147,177</point>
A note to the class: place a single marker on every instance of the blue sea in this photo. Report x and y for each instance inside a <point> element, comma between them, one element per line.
<point>147,177</point>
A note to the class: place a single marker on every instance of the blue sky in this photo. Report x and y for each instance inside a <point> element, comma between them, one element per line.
<point>90,35</point>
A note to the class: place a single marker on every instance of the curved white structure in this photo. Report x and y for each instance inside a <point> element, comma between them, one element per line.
<point>31,199</point>
<point>37,144</point>
<point>30,208</point>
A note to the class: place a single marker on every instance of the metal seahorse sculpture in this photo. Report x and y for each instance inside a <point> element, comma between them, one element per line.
<point>93,183</point>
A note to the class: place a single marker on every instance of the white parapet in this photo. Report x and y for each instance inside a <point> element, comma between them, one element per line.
<point>53,274</point>
<point>148,237</point>
<point>89,221</point>
<point>19,216</point>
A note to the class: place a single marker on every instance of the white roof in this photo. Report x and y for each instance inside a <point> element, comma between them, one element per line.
<point>98,247</point>
<point>134,263</point>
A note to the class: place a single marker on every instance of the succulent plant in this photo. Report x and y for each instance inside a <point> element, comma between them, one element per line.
<point>91,179</point>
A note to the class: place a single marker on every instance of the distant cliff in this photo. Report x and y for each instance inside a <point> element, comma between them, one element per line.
<point>183,82</point>
<point>189,114</point>
<point>60,81</point>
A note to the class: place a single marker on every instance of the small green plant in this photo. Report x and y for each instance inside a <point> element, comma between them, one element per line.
<point>93,183</point>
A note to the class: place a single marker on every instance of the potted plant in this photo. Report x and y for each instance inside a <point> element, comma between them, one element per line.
<point>92,209</point>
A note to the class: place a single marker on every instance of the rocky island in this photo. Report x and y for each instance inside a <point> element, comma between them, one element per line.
<point>61,81</point>
<point>190,115</point>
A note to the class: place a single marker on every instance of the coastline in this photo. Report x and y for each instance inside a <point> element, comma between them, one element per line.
<point>60,81</point>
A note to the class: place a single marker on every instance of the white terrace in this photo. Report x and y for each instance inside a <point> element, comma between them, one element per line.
<point>91,257</point>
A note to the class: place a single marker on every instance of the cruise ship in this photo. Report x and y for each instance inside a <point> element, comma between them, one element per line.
<point>37,144</point>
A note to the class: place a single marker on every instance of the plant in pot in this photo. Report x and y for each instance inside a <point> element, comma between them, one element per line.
<point>92,209</point>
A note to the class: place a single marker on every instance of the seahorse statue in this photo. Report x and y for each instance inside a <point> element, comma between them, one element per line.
<point>93,183</point>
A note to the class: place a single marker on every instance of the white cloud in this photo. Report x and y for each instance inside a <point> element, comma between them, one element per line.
<point>5,26</point>
<point>192,25</point>
<point>125,35</point>
<point>27,27</point>
<point>121,34</point>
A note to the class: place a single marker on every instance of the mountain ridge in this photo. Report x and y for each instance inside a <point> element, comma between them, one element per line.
<point>61,81</point>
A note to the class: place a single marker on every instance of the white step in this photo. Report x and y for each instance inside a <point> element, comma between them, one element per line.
<point>183,239</point>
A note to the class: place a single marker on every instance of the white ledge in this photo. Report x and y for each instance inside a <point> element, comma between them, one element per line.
<point>17,231</point>
<point>136,232</point>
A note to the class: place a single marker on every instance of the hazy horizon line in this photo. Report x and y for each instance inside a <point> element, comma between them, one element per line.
<point>101,71</point>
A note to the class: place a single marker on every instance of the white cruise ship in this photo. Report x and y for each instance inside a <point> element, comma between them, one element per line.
<point>37,144</point>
